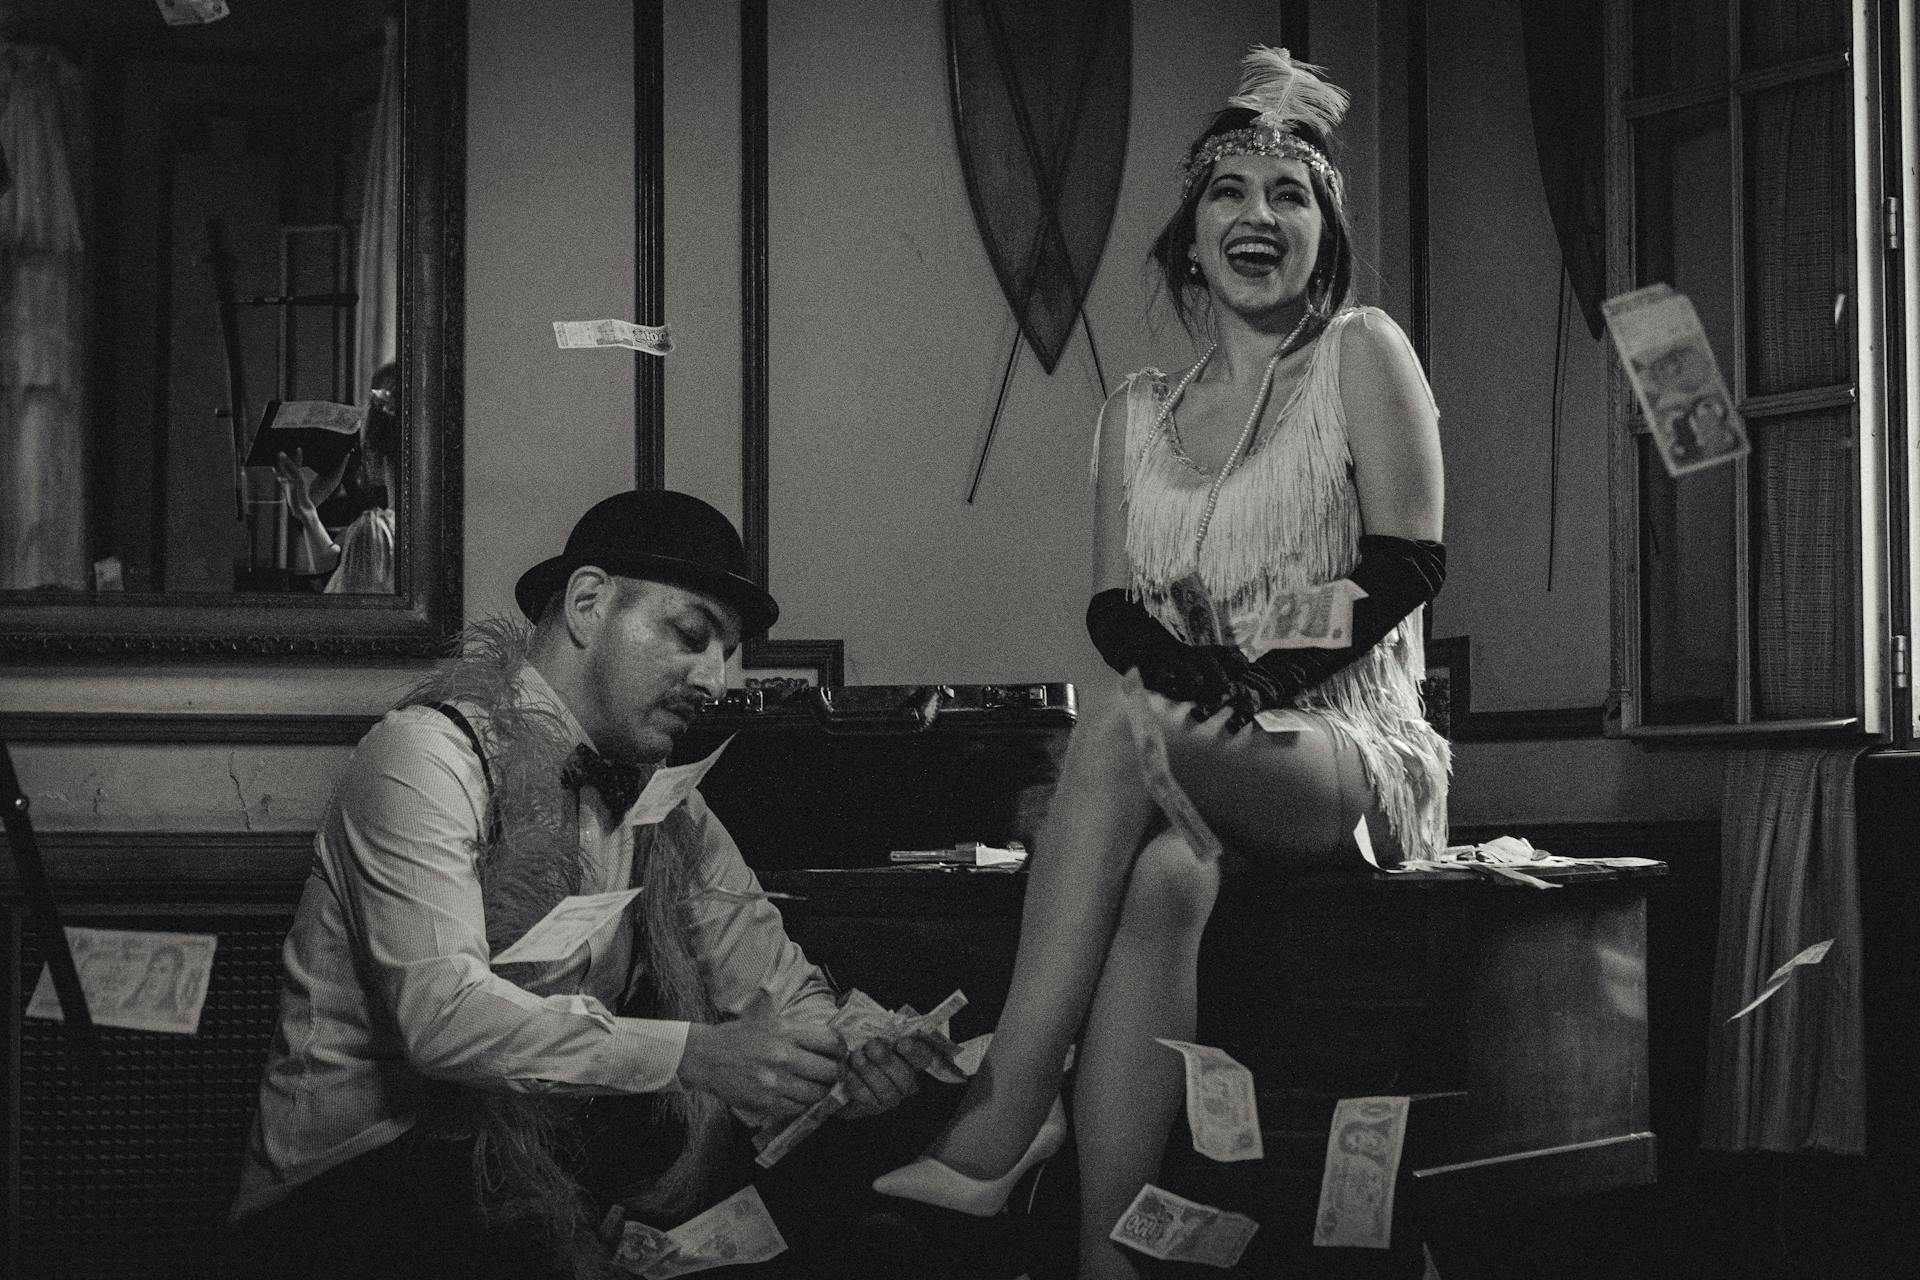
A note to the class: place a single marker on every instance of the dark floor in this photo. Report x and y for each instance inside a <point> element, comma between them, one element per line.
<point>1713,1215</point>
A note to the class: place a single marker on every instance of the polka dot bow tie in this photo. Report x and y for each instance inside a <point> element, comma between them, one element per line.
<point>618,784</point>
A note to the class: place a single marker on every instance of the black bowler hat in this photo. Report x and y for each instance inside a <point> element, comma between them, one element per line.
<point>662,535</point>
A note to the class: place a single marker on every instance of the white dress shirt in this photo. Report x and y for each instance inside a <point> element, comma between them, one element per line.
<point>386,979</point>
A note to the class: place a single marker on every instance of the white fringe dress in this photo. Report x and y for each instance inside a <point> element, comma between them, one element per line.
<point>1287,518</point>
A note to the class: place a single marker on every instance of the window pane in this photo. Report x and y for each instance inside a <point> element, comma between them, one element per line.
<point>1683,215</point>
<point>1776,31</point>
<point>1799,235</point>
<point>1678,43</point>
<point>1686,593</point>
<point>1804,565</point>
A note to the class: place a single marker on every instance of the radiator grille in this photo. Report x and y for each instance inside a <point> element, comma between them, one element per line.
<point>130,1175</point>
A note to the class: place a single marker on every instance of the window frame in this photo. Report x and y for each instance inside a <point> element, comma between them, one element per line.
<point>1878,559</point>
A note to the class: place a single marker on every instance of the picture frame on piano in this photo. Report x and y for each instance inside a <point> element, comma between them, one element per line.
<point>1447,689</point>
<point>791,664</point>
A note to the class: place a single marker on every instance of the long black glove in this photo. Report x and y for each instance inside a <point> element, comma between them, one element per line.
<point>1128,638</point>
<point>1398,575</point>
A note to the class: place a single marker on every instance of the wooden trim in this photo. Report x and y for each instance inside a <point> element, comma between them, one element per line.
<point>754,237</point>
<point>157,866</point>
<point>825,656</point>
<point>650,239</point>
<point>1419,175</point>
<point>1809,400</point>
<point>239,727</point>
<point>1748,82</point>
<point>110,863</point>
<point>1674,100</point>
<point>1532,726</point>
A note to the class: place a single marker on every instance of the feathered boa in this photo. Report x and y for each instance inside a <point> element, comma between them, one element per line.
<point>527,862</point>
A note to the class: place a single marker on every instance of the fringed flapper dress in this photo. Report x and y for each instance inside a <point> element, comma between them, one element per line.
<point>1287,518</point>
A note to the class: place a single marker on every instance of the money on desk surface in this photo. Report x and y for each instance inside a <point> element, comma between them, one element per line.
<point>142,981</point>
<point>1363,1160</point>
<point>1163,1225</point>
<point>1675,378</point>
<point>736,1232</point>
<point>650,338</point>
<point>1221,1110</point>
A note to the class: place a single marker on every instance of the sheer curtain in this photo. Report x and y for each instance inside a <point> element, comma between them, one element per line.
<point>377,264</point>
<point>42,355</point>
<point>1790,1075</point>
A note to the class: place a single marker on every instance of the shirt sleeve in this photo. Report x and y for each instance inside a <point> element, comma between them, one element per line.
<point>400,855</point>
<point>740,940</point>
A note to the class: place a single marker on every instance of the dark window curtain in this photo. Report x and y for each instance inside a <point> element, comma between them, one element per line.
<point>1566,93</point>
<point>1790,1075</point>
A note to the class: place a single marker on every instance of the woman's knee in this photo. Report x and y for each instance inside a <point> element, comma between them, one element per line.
<point>1170,890</point>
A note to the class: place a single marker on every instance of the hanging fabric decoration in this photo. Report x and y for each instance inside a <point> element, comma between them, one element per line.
<point>1040,106</point>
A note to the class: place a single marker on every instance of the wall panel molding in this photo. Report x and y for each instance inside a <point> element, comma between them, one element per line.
<point>247,728</point>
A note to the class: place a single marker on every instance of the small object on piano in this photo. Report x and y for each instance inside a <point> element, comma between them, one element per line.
<point>968,853</point>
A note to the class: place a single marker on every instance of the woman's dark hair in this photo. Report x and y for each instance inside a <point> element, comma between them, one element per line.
<point>363,487</point>
<point>383,411</point>
<point>1332,278</point>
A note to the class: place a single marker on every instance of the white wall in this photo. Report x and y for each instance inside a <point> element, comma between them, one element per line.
<point>889,335</point>
<point>1494,290</point>
<point>872,541</point>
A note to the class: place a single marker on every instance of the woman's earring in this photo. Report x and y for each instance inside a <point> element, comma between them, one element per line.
<point>1193,263</point>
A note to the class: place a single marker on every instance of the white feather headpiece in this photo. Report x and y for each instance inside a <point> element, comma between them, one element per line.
<point>1282,94</point>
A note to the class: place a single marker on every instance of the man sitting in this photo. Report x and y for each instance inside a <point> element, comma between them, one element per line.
<point>422,1112</point>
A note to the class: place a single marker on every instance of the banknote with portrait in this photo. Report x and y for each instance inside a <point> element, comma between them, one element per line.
<point>140,980</point>
<point>1676,380</point>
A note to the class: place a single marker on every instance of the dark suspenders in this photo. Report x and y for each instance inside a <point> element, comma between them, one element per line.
<point>465,726</point>
<point>638,998</point>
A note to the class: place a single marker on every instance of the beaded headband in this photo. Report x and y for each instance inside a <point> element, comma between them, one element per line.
<point>1281,93</point>
<point>1256,140</point>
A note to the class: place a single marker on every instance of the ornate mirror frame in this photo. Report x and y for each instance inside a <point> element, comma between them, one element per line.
<point>423,615</point>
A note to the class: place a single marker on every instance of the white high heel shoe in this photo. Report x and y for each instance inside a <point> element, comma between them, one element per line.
<point>931,1182</point>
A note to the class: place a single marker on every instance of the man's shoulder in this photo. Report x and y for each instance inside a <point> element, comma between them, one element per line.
<point>411,739</point>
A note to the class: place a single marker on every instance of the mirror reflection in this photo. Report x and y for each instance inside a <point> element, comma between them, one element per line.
<point>198,296</point>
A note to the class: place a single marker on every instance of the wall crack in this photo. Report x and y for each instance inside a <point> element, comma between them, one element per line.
<point>240,793</point>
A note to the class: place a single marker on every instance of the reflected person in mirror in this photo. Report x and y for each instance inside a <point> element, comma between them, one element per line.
<point>346,518</point>
<point>1298,456</point>
<point>425,1113</point>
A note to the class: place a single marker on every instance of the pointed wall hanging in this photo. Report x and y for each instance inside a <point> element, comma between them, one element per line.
<point>1040,105</point>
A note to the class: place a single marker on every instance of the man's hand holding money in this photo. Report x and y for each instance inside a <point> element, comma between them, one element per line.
<point>886,1052</point>
<point>881,1075</point>
<point>769,1069</point>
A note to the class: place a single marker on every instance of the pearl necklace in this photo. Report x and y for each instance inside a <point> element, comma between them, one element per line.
<point>1246,433</point>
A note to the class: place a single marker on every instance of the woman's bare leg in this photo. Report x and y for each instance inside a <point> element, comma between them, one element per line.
<point>1284,801</point>
<point>1129,1087</point>
<point>1270,796</point>
<point>1100,813</point>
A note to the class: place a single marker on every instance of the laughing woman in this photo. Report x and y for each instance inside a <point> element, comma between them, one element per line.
<point>1293,467</point>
